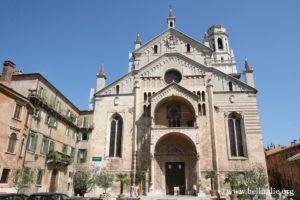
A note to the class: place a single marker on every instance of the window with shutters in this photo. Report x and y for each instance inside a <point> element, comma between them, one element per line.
<point>39,177</point>
<point>116,131</point>
<point>32,141</point>
<point>82,156</point>
<point>45,146</point>
<point>42,93</point>
<point>18,111</point>
<point>65,149</point>
<point>12,143</point>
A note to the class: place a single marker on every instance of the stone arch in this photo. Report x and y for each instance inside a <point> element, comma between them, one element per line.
<point>188,146</point>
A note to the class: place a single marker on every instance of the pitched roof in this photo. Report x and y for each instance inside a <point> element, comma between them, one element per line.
<point>179,34</point>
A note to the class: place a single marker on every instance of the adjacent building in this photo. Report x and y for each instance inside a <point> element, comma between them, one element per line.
<point>16,113</point>
<point>56,134</point>
<point>283,164</point>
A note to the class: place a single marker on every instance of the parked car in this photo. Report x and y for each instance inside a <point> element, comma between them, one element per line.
<point>13,196</point>
<point>48,196</point>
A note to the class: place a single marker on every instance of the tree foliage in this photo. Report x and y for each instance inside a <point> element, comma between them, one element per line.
<point>232,178</point>
<point>104,180</point>
<point>255,181</point>
<point>212,175</point>
<point>23,178</point>
<point>83,180</point>
<point>123,179</point>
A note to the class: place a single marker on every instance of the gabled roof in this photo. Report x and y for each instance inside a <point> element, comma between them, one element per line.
<point>176,86</point>
<point>179,34</point>
<point>187,59</point>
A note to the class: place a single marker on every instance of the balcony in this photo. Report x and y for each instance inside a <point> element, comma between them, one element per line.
<point>69,118</point>
<point>58,158</point>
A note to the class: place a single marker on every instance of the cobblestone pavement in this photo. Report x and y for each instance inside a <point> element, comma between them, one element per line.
<point>168,197</point>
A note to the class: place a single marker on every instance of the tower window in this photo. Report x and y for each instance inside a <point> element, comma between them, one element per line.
<point>171,24</point>
<point>222,59</point>
<point>230,86</point>
<point>155,49</point>
<point>188,48</point>
<point>203,110</point>
<point>203,96</point>
<point>117,89</point>
<point>145,96</point>
<point>116,131</point>
<point>235,135</point>
<point>220,44</point>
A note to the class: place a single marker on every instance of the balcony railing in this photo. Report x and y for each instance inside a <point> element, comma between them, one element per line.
<point>69,119</point>
<point>58,158</point>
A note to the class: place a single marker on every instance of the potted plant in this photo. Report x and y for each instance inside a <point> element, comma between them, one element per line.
<point>232,180</point>
<point>123,179</point>
<point>212,175</point>
<point>140,177</point>
<point>105,181</point>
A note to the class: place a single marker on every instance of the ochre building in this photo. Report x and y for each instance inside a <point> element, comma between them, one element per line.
<point>283,164</point>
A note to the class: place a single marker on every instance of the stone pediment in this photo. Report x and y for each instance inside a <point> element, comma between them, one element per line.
<point>173,89</point>
<point>177,37</point>
<point>158,66</point>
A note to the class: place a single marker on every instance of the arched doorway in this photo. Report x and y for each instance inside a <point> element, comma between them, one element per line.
<point>175,158</point>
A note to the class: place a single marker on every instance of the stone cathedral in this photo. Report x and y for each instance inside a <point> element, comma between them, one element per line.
<point>181,110</point>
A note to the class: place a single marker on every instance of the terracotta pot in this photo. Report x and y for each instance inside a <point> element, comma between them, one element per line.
<point>213,192</point>
<point>233,197</point>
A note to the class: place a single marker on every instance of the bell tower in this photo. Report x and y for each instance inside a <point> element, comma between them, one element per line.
<point>223,57</point>
<point>171,19</point>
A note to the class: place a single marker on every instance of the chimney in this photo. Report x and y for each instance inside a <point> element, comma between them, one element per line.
<point>8,70</point>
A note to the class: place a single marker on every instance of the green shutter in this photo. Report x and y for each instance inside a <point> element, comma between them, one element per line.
<point>51,148</point>
<point>35,140</point>
<point>47,146</point>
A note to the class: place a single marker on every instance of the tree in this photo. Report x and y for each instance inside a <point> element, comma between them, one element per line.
<point>232,180</point>
<point>212,175</point>
<point>22,178</point>
<point>254,179</point>
<point>140,177</point>
<point>83,180</point>
<point>104,180</point>
<point>123,179</point>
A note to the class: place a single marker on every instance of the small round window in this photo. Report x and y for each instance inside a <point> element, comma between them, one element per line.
<point>172,75</point>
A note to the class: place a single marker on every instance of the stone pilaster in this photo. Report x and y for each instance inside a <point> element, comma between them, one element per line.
<point>213,131</point>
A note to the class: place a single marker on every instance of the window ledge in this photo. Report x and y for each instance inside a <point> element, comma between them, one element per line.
<point>16,119</point>
<point>113,158</point>
<point>238,158</point>
<point>10,153</point>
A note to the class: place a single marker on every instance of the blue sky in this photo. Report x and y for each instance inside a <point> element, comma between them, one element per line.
<point>68,40</point>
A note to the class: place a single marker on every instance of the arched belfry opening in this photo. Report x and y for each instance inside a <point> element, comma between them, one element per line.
<point>174,111</point>
<point>175,165</point>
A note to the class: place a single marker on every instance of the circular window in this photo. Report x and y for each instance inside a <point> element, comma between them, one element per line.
<point>172,75</point>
